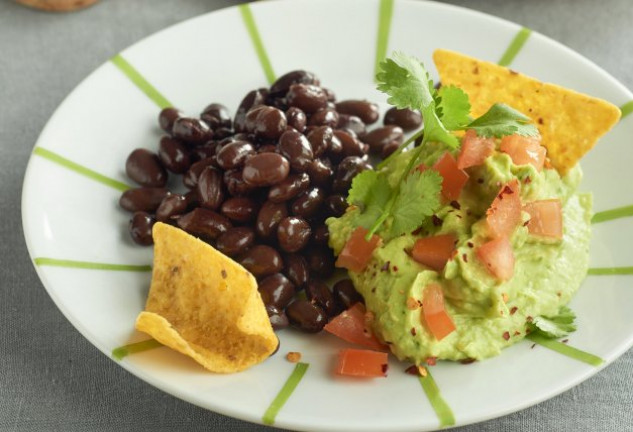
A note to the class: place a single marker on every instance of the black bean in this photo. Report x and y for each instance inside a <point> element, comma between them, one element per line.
<point>296,118</point>
<point>293,234</point>
<point>306,316</point>
<point>266,122</point>
<point>321,235</point>
<point>204,223</point>
<point>295,147</point>
<point>240,209</point>
<point>320,172</point>
<point>331,96</point>
<point>296,269</point>
<point>209,188</point>
<point>308,203</point>
<point>268,219</point>
<point>277,317</point>
<point>351,145</point>
<point>265,169</point>
<point>335,150</point>
<point>346,171</point>
<point>191,130</point>
<point>379,138</point>
<point>172,205</point>
<point>235,183</point>
<point>366,111</point>
<point>174,155</point>
<point>276,290</point>
<point>261,261</point>
<point>282,84</point>
<point>320,261</point>
<point>216,116</point>
<point>204,151</point>
<point>388,150</point>
<point>167,117</point>
<point>289,188</point>
<point>324,117</point>
<point>140,228</point>
<point>345,293</point>
<point>318,293</point>
<point>235,240</point>
<point>222,132</point>
<point>335,205</point>
<point>251,100</point>
<point>144,167</point>
<point>353,124</point>
<point>307,97</point>
<point>320,139</point>
<point>190,179</point>
<point>233,155</point>
<point>406,118</point>
<point>142,199</point>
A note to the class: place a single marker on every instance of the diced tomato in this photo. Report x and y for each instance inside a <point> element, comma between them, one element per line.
<point>504,213</point>
<point>434,251</point>
<point>453,178</point>
<point>357,251</point>
<point>524,150</point>
<point>436,318</point>
<point>497,256</point>
<point>474,150</point>
<point>350,326</point>
<point>546,218</point>
<point>362,363</point>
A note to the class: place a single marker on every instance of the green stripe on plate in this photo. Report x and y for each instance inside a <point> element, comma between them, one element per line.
<point>441,408</point>
<point>385,12</point>
<point>123,351</point>
<point>602,271</point>
<point>140,81</point>
<point>43,261</point>
<point>626,109</point>
<point>285,392</point>
<point>515,46</point>
<point>565,349</point>
<point>80,169</point>
<point>251,27</point>
<point>615,213</point>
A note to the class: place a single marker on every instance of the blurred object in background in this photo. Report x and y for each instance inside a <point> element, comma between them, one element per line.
<point>58,5</point>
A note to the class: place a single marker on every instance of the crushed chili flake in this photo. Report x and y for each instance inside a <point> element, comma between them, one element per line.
<point>436,220</point>
<point>223,273</point>
<point>526,223</point>
<point>533,345</point>
<point>527,180</point>
<point>467,361</point>
<point>373,290</point>
<point>565,340</point>
<point>513,310</point>
<point>470,244</point>
<point>412,370</point>
<point>517,333</point>
<point>458,216</point>
<point>413,331</point>
<point>465,258</point>
<point>529,319</point>
<point>455,205</point>
<point>540,120</point>
<point>431,361</point>
<point>385,266</point>
<point>412,304</point>
<point>559,294</point>
<point>384,368</point>
<point>293,357</point>
<point>395,268</point>
<point>506,335</point>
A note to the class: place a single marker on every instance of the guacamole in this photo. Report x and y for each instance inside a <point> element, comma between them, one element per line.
<point>488,314</point>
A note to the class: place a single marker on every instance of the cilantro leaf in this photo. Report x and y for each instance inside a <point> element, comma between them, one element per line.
<point>362,185</point>
<point>554,327</point>
<point>453,107</point>
<point>501,120</point>
<point>370,191</point>
<point>419,198</point>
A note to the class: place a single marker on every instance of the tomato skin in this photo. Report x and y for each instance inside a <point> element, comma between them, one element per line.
<point>362,363</point>
<point>504,214</point>
<point>546,218</point>
<point>498,258</point>
<point>350,326</point>
<point>357,251</point>
<point>453,178</point>
<point>434,251</point>
<point>524,150</point>
<point>434,312</point>
<point>475,150</point>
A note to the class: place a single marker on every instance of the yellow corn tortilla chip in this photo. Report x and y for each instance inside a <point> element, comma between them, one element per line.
<point>570,123</point>
<point>205,305</point>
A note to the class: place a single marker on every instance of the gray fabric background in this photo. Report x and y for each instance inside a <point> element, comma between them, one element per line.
<point>51,378</point>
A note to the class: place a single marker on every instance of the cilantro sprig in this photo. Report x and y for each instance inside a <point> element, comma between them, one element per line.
<point>554,327</point>
<point>416,196</point>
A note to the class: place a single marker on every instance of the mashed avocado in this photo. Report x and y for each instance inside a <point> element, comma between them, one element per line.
<point>488,315</point>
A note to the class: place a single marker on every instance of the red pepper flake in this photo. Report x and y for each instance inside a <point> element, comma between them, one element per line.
<point>533,345</point>
<point>527,180</point>
<point>465,258</point>
<point>385,266</point>
<point>565,340</point>
<point>412,370</point>
<point>384,368</point>
<point>458,216</point>
<point>540,120</point>
<point>417,231</point>
<point>413,332</point>
<point>506,335</point>
<point>467,361</point>
<point>529,319</point>
<point>223,273</point>
<point>455,205</point>
<point>470,244</point>
<point>513,310</point>
<point>526,223</point>
<point>436,220</point>
<point>373,290</point>
<point>395,268</point>
<point>559,294</point>
<point>431,361</point>
<point>517,333</point>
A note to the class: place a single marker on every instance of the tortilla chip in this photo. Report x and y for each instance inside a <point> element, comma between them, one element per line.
<point>205,305</point>
<point>570,123</point>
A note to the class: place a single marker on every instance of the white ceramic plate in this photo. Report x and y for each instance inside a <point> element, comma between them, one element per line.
<point>211,58</point>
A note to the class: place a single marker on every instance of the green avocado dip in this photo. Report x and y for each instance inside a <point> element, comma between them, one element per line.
<point>488,314</point>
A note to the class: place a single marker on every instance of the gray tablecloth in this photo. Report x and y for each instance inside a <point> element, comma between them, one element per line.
<point>51,378</point>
